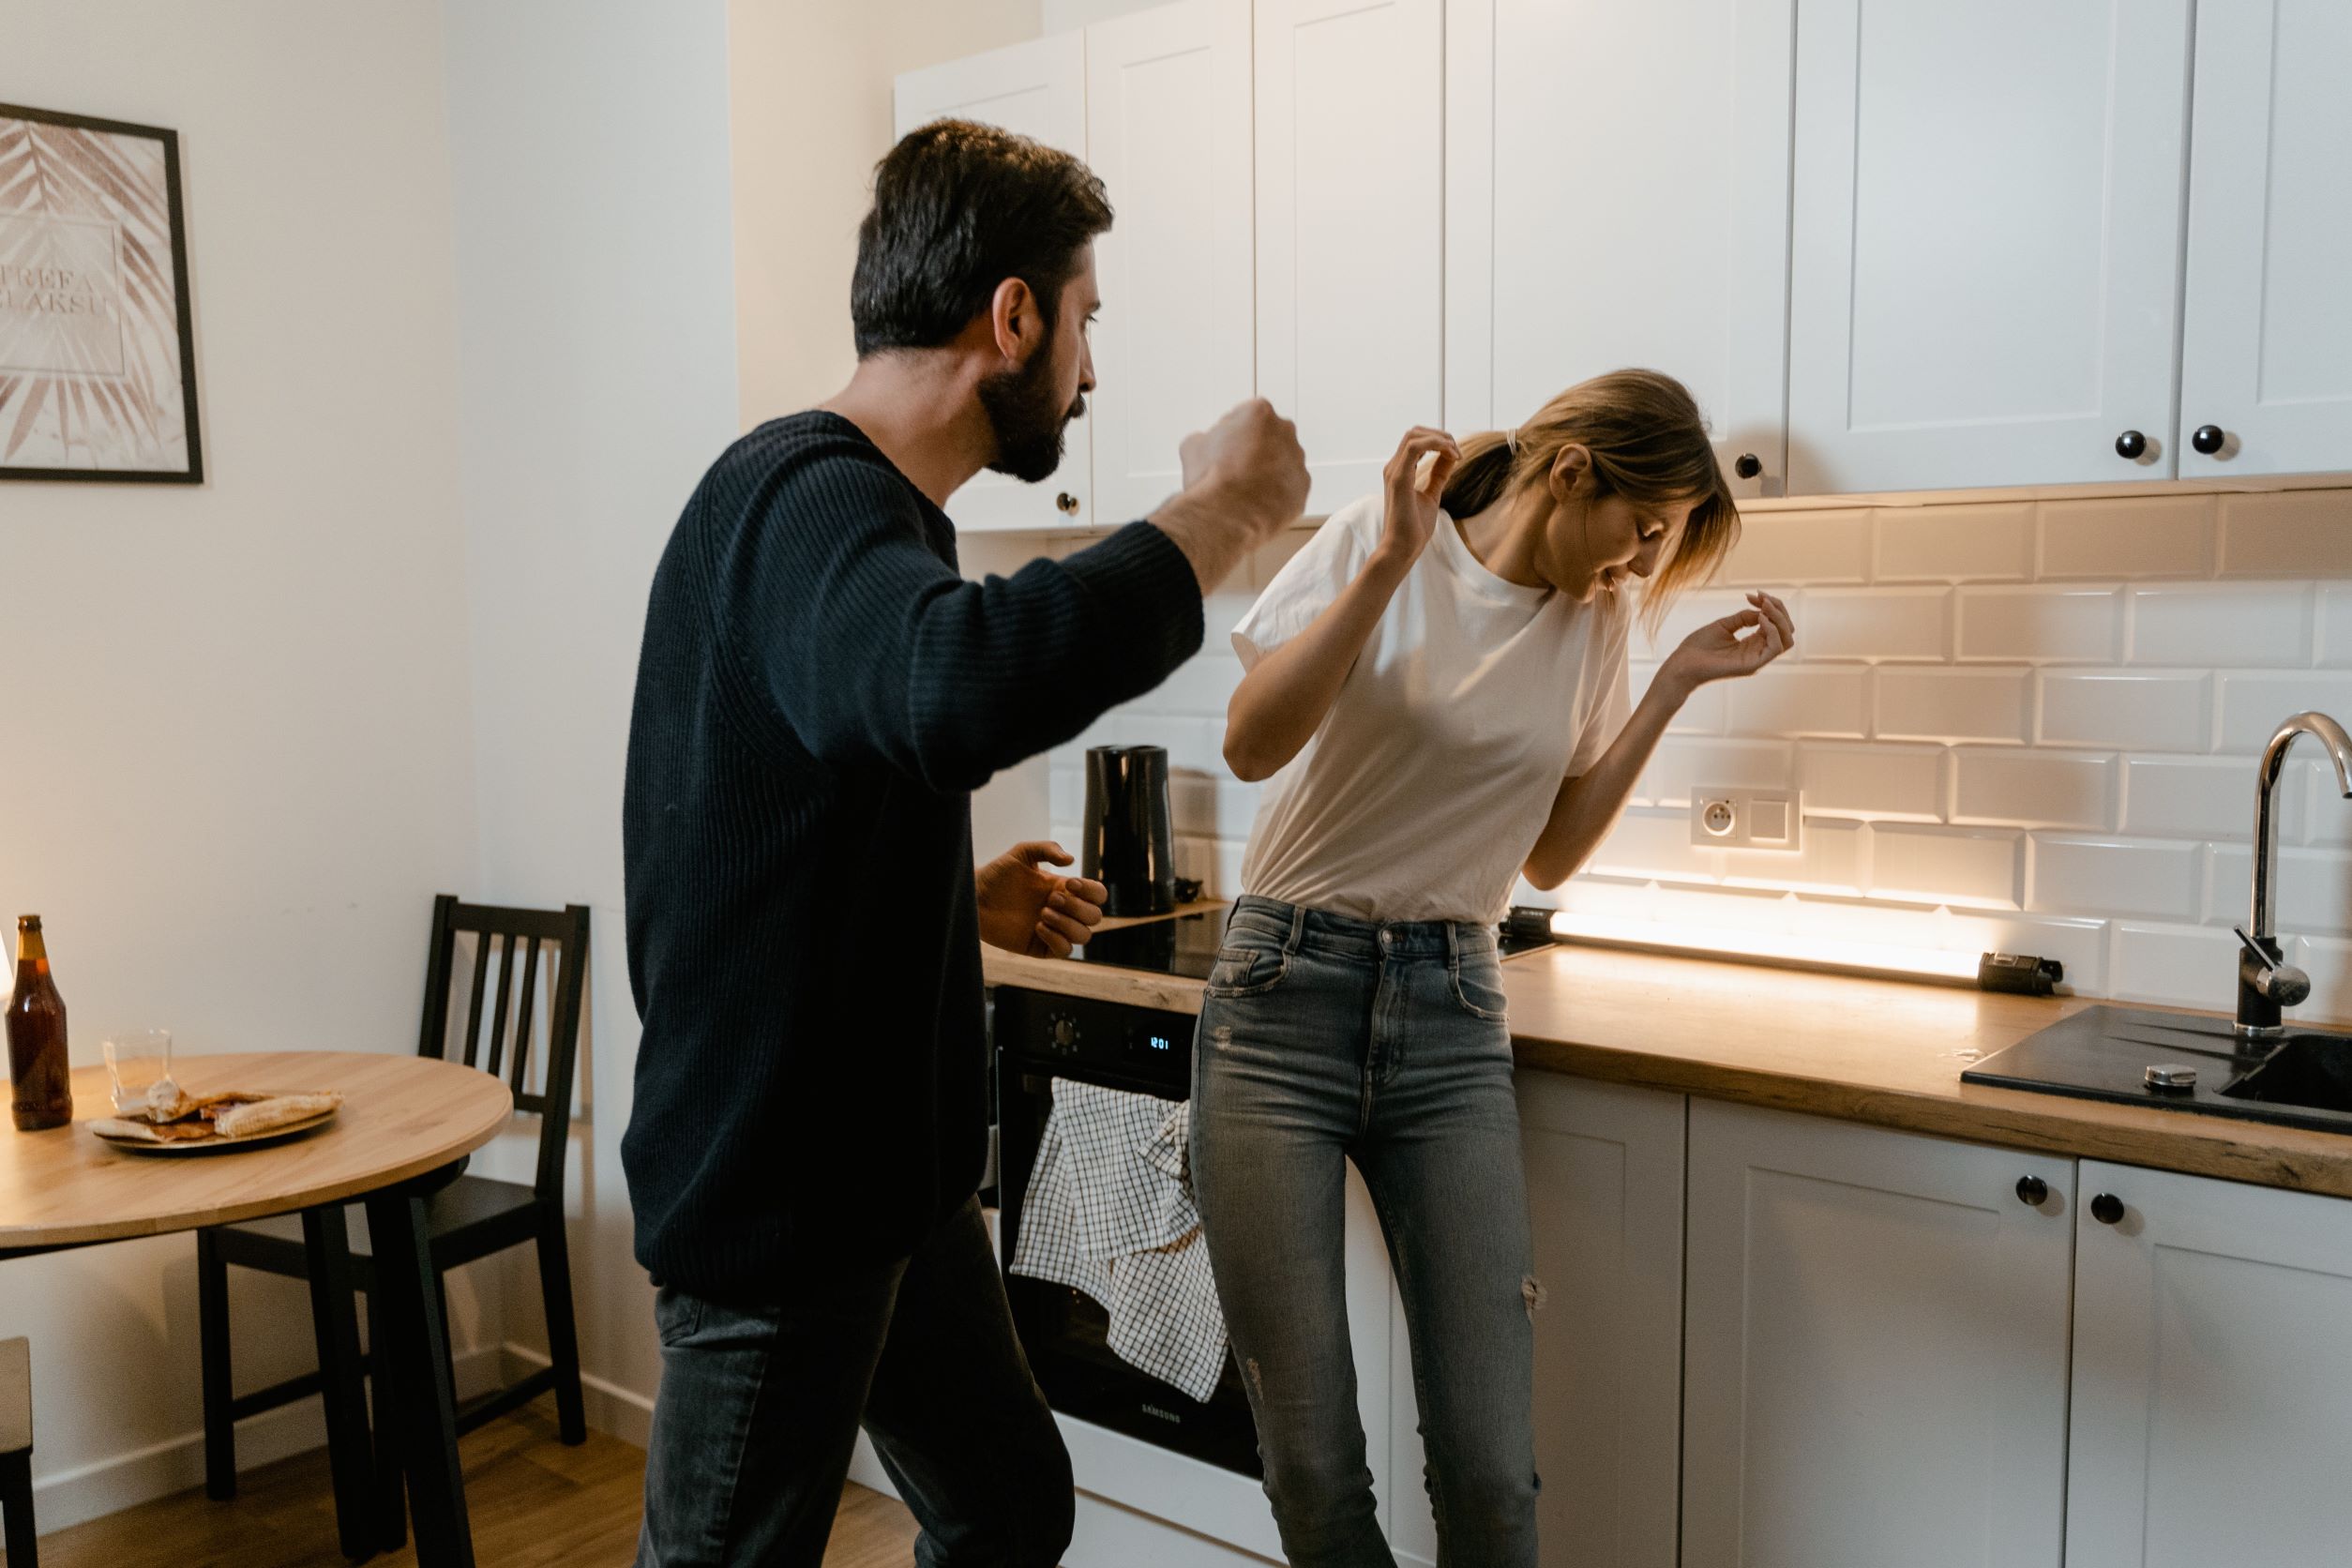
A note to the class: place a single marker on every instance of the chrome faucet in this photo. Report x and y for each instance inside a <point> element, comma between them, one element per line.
<point>2266,982</point>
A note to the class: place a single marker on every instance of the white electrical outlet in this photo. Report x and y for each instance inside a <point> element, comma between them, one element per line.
<point>1746,819</point>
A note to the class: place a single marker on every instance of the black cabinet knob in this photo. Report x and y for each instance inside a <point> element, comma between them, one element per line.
<point>2033,1191</point>
<point>2208,439</point>
<point>2130,444</point>
<point>2106,1208</point>
<point>1068,503</point>
<point>1747,466</point>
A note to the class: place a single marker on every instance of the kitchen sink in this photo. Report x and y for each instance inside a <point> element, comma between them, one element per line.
<point>2182,1061</point>
<point>2309,1071</point>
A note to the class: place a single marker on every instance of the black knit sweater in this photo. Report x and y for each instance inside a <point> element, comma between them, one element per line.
<point>818,693</point>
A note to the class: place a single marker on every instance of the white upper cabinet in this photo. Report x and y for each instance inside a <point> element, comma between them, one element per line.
<point>2213,1409</point>
<point>1168,111</point>
<point>1037,89</point>
<point>1350,229</point>
<point>2267,357</point>
<point>1640,218</point>
<point>1987,241</point>
<point>1874,1350</point>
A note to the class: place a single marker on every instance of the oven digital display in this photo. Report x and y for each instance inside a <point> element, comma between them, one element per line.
<point>1149,1042</point>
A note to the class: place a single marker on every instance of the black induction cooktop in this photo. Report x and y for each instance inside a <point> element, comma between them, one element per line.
<point>1185,946</point>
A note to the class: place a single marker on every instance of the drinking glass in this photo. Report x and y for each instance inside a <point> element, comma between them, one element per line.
<point>135,1061</point>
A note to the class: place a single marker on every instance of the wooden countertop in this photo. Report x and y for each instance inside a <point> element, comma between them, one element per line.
<point>1879,1052</point>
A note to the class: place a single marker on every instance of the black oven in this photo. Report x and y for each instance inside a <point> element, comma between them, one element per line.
<point>1041,1037</point>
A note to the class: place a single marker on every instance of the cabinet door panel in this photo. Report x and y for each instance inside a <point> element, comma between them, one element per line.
<point>2212,1384</point>
<point>1605,1197</point>
<point>1167,108</point>
<point>1985,273</point>
<point>1037,89</point>
<point>2267,345</point>
<point>1350,229</point>
<point>1669,251</point>
<point>1875,1349</point>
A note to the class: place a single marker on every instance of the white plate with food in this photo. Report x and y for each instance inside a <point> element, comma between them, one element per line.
<point>217,1123</point>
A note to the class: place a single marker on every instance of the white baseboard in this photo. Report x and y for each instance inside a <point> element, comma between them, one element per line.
<point>617,1412</point>
<point>176,1464</point>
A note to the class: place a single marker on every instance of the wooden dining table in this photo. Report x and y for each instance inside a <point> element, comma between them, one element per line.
<point>405,1127</point>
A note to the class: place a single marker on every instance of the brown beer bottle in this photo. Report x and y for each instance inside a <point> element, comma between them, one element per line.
<point>40,1080</point>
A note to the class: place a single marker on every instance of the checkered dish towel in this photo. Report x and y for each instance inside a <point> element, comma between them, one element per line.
<point>1110,1212</point>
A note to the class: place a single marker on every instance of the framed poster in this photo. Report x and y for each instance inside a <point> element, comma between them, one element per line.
<point>97,369</point>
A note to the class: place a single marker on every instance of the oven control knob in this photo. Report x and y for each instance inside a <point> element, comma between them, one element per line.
<point>1062,1033</point>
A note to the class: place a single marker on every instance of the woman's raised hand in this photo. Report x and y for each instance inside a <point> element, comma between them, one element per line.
<point>1411,494</point>
<point>1739,644</point>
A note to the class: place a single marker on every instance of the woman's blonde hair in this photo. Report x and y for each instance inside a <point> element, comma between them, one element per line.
<point>1649,445</point>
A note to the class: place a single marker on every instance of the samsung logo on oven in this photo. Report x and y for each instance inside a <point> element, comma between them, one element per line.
<point>1164,1415</point>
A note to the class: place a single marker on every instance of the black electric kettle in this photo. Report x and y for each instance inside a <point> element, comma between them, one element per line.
<point>1130,846</point>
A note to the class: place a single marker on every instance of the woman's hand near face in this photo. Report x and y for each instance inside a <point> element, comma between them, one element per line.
<point>1739,644</point>
<point>1412,501</point>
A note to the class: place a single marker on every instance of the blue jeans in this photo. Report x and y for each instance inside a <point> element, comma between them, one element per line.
<point>1324,1039</point>
<point>760,1404</point>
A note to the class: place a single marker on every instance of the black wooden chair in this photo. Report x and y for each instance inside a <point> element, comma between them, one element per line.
<point>470,1218</point>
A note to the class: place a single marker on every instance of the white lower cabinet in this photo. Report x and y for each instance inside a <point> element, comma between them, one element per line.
<point>2212,1387</point>
<point>1874,1347</point>
<point>1605,1190</point>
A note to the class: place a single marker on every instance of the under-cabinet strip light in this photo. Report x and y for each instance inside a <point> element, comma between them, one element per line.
<point>1790,949</point>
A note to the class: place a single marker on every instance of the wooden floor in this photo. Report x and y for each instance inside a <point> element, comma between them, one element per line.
<point>532,1500</point>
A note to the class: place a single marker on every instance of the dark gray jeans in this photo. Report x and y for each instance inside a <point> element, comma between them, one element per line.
<point>759,1407</point>
<point>1325,1040</point>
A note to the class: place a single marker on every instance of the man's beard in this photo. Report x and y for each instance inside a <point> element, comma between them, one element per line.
<point>1027,418</point>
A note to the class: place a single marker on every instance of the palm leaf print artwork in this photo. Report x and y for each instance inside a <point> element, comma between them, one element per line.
<point>97,375</point>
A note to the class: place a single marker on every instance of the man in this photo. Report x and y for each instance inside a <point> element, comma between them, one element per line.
<point>818,693</point>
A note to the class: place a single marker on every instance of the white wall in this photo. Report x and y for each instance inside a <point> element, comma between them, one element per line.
<point>597,380</point>
<point>809,103</point>
<point>1062,15</point>
<point>238,761</point>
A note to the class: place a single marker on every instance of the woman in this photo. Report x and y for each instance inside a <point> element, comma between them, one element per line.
<point>1437,685</point>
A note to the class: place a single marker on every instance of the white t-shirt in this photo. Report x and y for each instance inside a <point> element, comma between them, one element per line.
<point>1430,780</point>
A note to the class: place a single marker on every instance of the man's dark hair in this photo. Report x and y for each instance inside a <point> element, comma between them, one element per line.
<point>958,209</point>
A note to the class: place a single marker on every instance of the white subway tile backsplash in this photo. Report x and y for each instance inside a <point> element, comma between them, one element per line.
<point>2302,534</point>
<point>1944,866</point>
<point>2128,537</point>
<point>1890,781</point>
<point>1701,714</point>
<point>1994,780</point>
<point>1954,544</point>
<point>1951,704</point>
<point>2317,813</point>
<point>2267,624</point>
<point>2311,890</point>
<point>1874,624</point>
<point>2033,789</point>
<point>1831,860</point>
<point>2329,965</point>
<point>1798,701</point>
<point>2041,625</point>
<point>2196,797</point>
<point>2184,966</point>
<point>2335,623</point>
<point>1683,617</point>
<point>1655,844</point>
<point>1202,686</point>
<point>2254,706</point>
<point>1777,548</point>
<point>1679,766</point>
<point>2149,712</point>
<point>2113,876</point>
